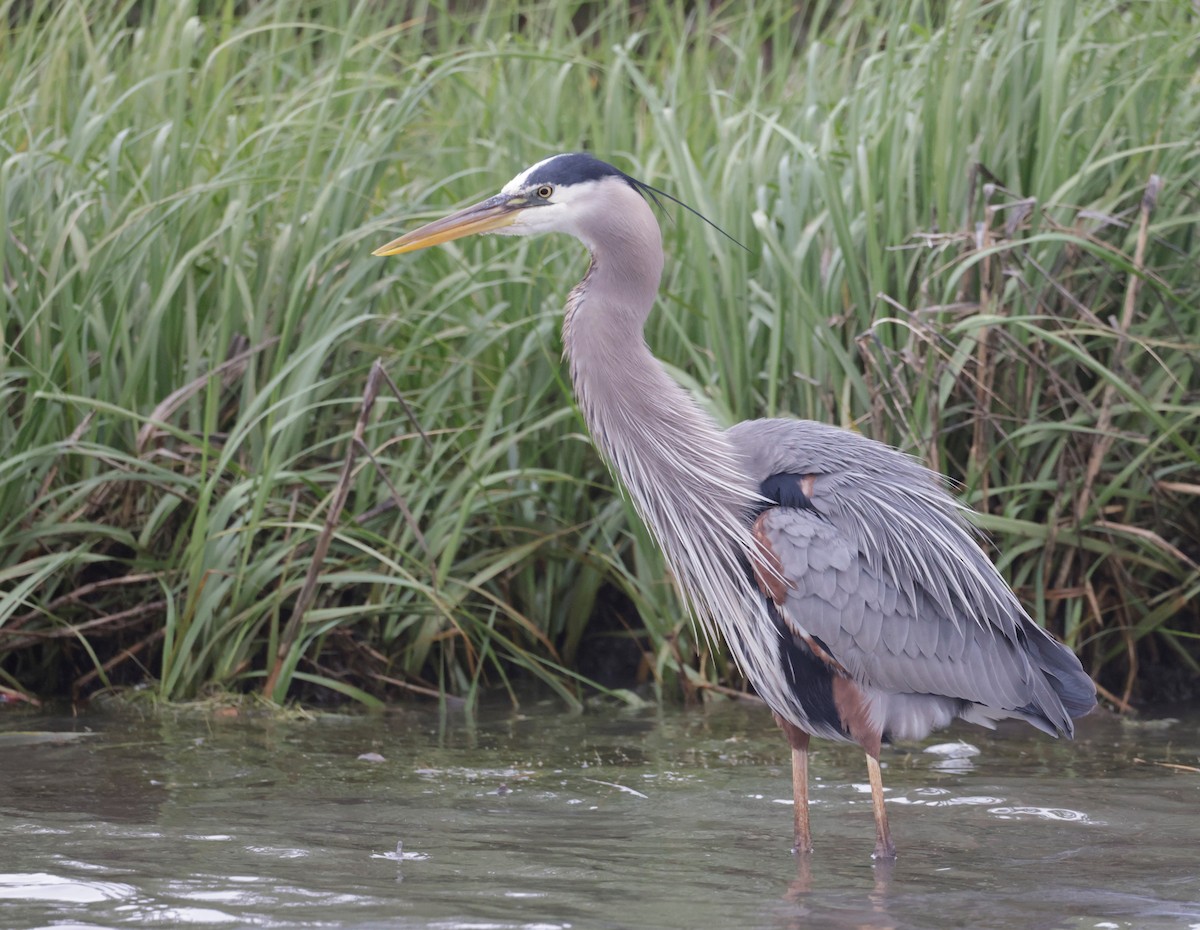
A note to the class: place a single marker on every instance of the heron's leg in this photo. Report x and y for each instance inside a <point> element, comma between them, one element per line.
<point>802,834</point>
<point>798,740</point>
<point>884,847</point>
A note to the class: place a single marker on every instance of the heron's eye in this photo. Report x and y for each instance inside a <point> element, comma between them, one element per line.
<point>545,191</point>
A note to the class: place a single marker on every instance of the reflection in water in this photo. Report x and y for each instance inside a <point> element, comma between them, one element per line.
<point>870,911</point>
<point>953,757</point>
<point>41,886</point>
<point>655,819</point>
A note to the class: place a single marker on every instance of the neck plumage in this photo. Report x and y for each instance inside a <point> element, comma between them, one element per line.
<point>670,454</point>
<point>685,479</point>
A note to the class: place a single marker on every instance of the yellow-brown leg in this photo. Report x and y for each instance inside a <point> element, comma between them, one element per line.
<point>884,847</point>
<point>798,740</point>
<point>802,833</point>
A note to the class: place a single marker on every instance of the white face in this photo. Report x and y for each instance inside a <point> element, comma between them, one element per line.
<point>553,208</point>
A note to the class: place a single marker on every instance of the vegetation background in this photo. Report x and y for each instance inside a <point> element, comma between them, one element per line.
<point>239,453</point>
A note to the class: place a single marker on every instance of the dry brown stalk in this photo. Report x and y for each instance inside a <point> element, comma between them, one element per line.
<point>124,655</point>
<point>337,503</point>
<point>1104,434</point>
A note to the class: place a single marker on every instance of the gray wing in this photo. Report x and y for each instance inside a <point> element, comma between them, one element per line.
<point>878,566</point>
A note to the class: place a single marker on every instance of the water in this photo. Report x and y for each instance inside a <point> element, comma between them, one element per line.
<point>543,820</point>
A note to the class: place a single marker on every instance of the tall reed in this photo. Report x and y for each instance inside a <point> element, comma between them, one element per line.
<point>951,247</point>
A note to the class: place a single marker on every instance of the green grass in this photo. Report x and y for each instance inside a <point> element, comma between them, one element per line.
<point>942,203</point>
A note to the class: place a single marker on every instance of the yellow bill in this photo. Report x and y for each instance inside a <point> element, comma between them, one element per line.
<point>486,216</point>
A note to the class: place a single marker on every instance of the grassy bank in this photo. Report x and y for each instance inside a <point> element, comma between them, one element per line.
<point>238,452</point>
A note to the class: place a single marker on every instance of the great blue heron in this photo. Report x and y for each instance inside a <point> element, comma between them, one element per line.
<point>838,570</point>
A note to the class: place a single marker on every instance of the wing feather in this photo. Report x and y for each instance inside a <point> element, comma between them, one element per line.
<point>876,561</point>
<point>891,631</point>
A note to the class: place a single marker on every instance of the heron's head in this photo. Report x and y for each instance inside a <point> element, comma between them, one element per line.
<point>564,193</point>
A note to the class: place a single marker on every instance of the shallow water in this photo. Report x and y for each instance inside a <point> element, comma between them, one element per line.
<point>541,819</point>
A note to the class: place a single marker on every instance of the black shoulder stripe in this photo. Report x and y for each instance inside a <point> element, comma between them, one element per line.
<point>786,490</point>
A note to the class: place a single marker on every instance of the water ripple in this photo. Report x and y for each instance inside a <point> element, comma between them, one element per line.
<point>42,886</point>
<point>1044,813</point>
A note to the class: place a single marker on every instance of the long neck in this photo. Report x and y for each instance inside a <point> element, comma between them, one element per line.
<point>670,454</point>
<point>683,476</point>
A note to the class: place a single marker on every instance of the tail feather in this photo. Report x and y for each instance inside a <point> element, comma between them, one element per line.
<point>1064,673</point>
